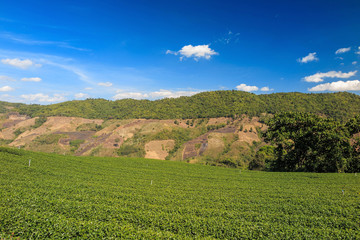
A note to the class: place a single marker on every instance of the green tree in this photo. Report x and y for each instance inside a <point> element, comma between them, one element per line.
<point>263,159</point>
<point>307,142</point>
<point>353,126</point>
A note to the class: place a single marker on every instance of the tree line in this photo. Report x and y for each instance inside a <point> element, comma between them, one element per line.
<point>340,106</point>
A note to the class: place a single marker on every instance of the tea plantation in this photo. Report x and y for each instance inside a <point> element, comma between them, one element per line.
<point>119,198</point>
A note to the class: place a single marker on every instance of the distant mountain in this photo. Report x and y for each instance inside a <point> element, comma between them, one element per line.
<point>341,106</point>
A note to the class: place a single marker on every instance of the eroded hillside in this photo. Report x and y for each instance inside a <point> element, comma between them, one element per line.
<point>207,140</point>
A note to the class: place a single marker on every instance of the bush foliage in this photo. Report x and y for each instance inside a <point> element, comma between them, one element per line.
<point>307,142</point>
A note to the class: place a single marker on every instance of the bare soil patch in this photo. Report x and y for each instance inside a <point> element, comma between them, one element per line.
<point>159,149</point>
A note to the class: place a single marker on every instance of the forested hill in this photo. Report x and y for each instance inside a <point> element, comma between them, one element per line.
<point>341,106</point>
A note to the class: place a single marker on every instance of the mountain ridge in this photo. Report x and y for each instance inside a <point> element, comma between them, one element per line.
<point>212,104</point>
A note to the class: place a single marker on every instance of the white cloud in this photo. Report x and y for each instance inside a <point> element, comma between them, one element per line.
<point>196,52</point>
<point>244,87</point>
<point>309,58</point>
<point>105,84</point>
<point>88,88</point>
<point>162,93</point>
<point>40,97</point>
<point>353,85</point>
<point>81,95</point>
<point>133,95</point>
<point>354,62</point>
<point>358,52</point>
<point>266,89</point>
<point>6,78</point>
<point>6,89</point>
<point>171,94</point>
<point>319,77</point>
<point>33,79</point>
<point>23,64</point>
<point>342,50</point>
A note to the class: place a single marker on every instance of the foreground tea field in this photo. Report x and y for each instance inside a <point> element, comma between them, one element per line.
<point>94,198</point>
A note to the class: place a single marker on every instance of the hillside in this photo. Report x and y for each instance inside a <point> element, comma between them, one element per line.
<point>207,141</point>
<point>66,197</point>
<point>97,127</point>
<point>341,106</point>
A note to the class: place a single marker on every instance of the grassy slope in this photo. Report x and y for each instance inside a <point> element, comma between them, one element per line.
<point>87,197</point>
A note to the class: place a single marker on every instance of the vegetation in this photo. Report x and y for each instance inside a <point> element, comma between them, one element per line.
<point>19,131</point>
<point>89,127</point>
<point>49,139</point>
<point>307,142</point>
<point>263,158</point>
<point>309,132</point>
<point>39,121</point>
<point>131,151</point>
<point>340,106</point>
<point>215,127</point>
<point>75,144</point>
<point>65,197</point>
<point>6,107</point>
<point>133,147</point>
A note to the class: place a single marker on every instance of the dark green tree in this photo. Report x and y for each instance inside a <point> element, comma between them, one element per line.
<point>353,126</point>
<point>263,159</point>
<point>307,142</point>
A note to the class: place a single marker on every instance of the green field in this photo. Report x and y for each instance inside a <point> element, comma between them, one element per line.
<point>92,198</point>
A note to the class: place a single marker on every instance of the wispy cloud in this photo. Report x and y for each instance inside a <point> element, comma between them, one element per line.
<point>41,97</point>
<point>32,79</point>
<point>309,58</point>
<point>343,50</point>
<point>105,84</point>
<point>23,64</point>
<point>228,38</point>
<point>358,52</point>
<point>28,41</point>
<point>319,77</point>
<point>6,89</point>
<point>63,63</point>
<point>195,52</point>
<point>7,78</point>
<point>353,85</point>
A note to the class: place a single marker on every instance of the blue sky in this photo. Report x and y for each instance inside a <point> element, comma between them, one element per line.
<point>54,51</point>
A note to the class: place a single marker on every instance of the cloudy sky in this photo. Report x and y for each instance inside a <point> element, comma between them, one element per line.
<point>54,51</point>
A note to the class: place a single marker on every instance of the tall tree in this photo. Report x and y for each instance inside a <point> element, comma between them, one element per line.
<point>307,142</point>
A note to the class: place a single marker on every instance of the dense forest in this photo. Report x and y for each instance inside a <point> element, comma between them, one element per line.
<point>340,106</point>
